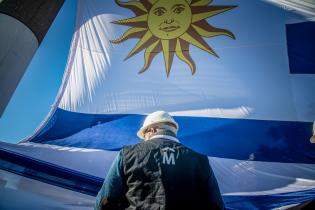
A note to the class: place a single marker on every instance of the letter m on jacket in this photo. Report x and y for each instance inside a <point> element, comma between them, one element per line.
<point>168,156</point>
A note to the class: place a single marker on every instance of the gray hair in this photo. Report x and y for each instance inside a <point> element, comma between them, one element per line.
<point>165,126</point>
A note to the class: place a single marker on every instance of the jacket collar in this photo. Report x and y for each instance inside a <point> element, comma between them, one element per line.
<point>165,135</point>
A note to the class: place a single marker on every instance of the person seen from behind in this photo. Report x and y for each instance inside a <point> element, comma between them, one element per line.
<point>159,173</point>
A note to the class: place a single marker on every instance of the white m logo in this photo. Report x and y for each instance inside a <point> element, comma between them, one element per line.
<point>168,156</point>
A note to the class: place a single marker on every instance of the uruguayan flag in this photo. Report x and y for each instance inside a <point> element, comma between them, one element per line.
<point>228,71</point>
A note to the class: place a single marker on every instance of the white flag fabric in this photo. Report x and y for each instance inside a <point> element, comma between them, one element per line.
<point>232,73</point>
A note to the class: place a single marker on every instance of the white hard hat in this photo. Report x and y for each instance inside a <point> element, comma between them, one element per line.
<point>155,118</point>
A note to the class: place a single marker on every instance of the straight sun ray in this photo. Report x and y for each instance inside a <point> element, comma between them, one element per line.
<point>130,33</point>
<point>134,22</point>
<point>135,6</point>
<point>200,12</point>
<point>141,44</point>
<point>198,43</point>
<point>182,52</point>
<point>212,32</point>
<point>149,54</point>
<point>168,54</point>
<point>201,3</point>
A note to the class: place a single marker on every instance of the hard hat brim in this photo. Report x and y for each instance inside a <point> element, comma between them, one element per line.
<point>141,131</point>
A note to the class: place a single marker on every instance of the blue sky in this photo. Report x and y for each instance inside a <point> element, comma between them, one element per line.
<point>39,86</point>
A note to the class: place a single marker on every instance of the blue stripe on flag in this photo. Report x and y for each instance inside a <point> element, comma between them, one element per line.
<point>243,139</point>
<point>79,182</point>
<point>49,173</point>
<point>268,201</point>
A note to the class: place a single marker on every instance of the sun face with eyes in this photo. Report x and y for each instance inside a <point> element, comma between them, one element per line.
<point>169,19</point>
<point>170,26</point>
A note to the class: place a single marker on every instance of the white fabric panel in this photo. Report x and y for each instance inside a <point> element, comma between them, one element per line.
<point>250,79</point>
<point>89,161</point>
<point>17,192</point>
<point>236,113</point>
<point>235,177</point>
<point>89,56</point>
<point>305,7</point>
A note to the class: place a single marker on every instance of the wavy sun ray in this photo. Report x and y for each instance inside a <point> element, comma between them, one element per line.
<point>205,29</point>
<point>147,3</point>
<point>130,33</point>
<point>138,21</point>
<point>182,49</point>
<point>170,27</point>
<point>137,7</point>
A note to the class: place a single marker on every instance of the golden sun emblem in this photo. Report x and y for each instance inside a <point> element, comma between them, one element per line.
<point>169,26</point>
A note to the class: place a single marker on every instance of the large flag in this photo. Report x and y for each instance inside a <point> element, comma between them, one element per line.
<point>238,76</point>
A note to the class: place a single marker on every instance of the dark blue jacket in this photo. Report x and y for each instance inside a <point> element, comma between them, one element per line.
<point>160,174</point>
